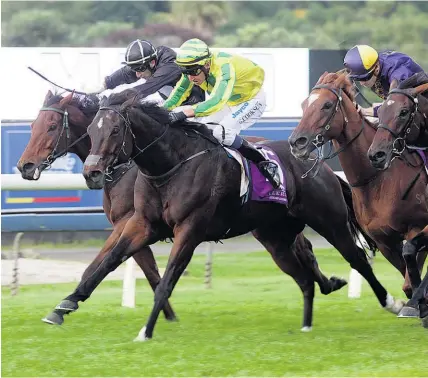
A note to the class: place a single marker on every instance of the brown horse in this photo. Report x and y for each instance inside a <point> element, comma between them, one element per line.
<point>53,135</point>
<point>193,186</point>
<point>403,121</point>
<point>60,127</point>
<point>330,114</point>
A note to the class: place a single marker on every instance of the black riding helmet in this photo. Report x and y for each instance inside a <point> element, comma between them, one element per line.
<point>139,55</point>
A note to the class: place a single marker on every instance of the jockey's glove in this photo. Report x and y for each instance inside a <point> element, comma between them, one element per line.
<point>177,117</point>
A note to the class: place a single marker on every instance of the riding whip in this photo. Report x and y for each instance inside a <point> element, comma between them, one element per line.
<point>56,85</point>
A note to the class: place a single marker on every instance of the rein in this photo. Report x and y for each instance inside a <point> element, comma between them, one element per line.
<point>319,138</point>
<point>165,177</point>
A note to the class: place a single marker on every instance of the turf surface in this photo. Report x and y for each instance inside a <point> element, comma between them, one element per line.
<point>248,324</point>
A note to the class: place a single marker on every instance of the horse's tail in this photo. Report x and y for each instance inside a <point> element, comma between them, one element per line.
<point>355,226</point>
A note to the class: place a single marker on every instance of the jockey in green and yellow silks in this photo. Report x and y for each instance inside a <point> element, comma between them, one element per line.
<point>237,99</point>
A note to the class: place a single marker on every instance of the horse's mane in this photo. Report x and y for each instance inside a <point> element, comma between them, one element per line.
<point>119,98</point>
<point>161,115</point>
<point>339,80</point>
<point>413,81</point>
<point>88,111</point>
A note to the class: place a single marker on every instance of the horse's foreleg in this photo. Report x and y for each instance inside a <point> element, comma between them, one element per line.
<point>56,317</point>
<point>108,245</point>
<point>186,239</point>
<point>136,235</point>
<point>414,250</point>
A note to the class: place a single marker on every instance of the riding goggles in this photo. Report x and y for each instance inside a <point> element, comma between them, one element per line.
<point>141,68</point>
<point>361,77</point>
<point>192,70</point>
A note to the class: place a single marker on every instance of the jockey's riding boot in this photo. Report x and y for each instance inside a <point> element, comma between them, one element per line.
<point>267,168</point>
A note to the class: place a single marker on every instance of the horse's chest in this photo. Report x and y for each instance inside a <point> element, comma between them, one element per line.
<point>376,215</point>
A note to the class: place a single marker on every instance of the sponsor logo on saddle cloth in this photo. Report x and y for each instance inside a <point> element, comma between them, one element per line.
<point>254,186</point>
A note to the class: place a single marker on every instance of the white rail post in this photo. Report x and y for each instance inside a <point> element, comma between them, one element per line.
<point>355,278</point>
<point>14,286</point>
<point>209,265</point>
<point>129,284</point>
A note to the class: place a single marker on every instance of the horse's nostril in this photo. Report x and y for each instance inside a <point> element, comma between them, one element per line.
<point>95,174</point>
<point>301,142</point>
<point>378,156</point>
<point>28,167</point>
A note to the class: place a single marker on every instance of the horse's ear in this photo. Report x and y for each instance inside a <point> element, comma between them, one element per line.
<point>49,95</point>
<point>304,104</point>
<point>66,100</point>
<point>322,77</point>
<point>420,89</point>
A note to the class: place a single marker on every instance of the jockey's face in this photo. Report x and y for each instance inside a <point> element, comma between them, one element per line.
<point>371,82</point>
<point>144,72</point>
<point>200,77</point>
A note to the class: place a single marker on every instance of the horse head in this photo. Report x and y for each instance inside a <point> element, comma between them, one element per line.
<point>402,116</point>
<point>324,114</point>
<point>58,125</point>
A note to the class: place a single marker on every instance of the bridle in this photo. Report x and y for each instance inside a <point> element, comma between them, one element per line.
<point>164,177</point>
<point>65,128</point>
<point>114,166</point>
<point>319,140</point>
<point>400,137</point>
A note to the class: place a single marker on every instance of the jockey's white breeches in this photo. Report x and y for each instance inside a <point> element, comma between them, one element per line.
<point>228,122</point>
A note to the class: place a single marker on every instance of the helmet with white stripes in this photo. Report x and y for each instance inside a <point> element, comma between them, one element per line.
<point>139,54</point>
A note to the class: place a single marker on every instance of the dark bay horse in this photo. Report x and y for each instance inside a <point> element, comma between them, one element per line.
<point>330,114</point>
<point>53,136</point>
<point>60,127</point>
<point>193,186</point>
<point>403,122</point>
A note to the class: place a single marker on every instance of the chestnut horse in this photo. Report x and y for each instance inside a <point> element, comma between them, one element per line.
<point>330,114</point>
<point>403,122</point>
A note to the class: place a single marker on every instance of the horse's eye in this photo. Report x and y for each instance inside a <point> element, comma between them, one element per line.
<point>404,112</point>
<point>327,105</point>
<point>115,130</point>
<point>52,127</point>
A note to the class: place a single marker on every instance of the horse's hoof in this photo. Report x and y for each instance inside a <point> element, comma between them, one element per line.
<point>408,312</point>
<point>306,329</point>
<point>337,283</point>
<point>425,322</point>
<point>142,335</point>
<point>54,318</point>
<point>394,305</point>
<point>171,319</point>
<point>67,306</point>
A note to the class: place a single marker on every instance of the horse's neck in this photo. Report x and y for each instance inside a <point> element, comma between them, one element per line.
<point>83,146</point>
<point>171,149</point>
<point>353,158</point>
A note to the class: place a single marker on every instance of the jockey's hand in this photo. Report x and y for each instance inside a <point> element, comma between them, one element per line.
<point>177,117</point>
